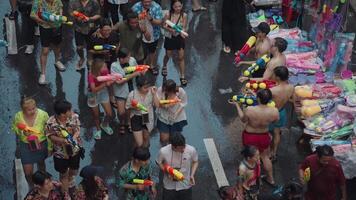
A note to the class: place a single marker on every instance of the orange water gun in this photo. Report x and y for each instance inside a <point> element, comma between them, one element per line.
<point>80,16</point>
<point>142,15</point>
<point>169,101</point>
<point>173,172</point>
<point>28,129</point>
<point>136,104</point>
<point>137,68</point>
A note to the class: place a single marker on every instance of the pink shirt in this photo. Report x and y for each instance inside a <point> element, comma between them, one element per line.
<point>92,79</point>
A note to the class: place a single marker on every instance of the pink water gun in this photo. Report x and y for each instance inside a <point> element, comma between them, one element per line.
<point>110,77</point>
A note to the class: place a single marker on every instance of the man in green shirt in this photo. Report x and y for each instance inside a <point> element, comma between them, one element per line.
<point>138,168</point>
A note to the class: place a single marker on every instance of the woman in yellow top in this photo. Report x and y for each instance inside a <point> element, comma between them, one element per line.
<point>29,125</point>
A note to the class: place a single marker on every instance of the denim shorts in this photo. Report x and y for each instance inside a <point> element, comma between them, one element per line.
<point>94,99</point>
<point>166,128</point>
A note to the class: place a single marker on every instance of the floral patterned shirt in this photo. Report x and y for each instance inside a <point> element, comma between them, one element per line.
<point>54,128</point>
<point>55,194</point>
<point>99,195</point>
<point>127,174</point>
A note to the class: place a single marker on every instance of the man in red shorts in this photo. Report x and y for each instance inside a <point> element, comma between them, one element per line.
<point>257,119</point>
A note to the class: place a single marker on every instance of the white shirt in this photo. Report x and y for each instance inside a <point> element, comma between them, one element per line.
<point>182,161</point>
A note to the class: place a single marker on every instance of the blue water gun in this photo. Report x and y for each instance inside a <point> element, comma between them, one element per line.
<point>339,58</point>
<point>260,63</point>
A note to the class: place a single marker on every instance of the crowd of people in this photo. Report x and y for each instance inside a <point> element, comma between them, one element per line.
<point>140,106</point>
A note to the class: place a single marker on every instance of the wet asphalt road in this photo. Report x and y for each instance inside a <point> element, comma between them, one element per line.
<point>209,115</point>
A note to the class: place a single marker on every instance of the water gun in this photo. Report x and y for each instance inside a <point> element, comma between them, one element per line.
<point>137,105</point>
<point>340,133</point>
<point>142,15</point>
<point>137,68</point>
<point>256,85</point>
<point>169,101</point>
<point>143,182</point>
<point>173,172</point>
<point>49,17</point>
<point>277,19</point>
<point>104,47</point>
<point>248,100</point>
<point>248,45</point>
<point>339,58</point>
<point>3,43</point>
<point>69,138</point>
<point>80,16</point>
<point>261,62</point>
<point>110,77</point>
<point>176,27</point>
<point>25,128</point>
<point>307,175</point>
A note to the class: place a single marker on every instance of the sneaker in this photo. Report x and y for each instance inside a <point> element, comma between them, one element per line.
<point>107,129</point>
<point>29,49</point>
<point>42,79</point>
<point>60,66</point>
<point>37,31</point>
<point>97,135</point>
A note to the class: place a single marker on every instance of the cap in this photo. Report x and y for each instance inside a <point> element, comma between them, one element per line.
<point>91,171</point>
<point>262,27</point>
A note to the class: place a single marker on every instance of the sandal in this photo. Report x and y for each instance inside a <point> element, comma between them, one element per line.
<point>107,129</point>
<point>164,71</point>
<point>201,8</point>
<point>122,129</point>
<point>264,179</point>
<point>183,82</point>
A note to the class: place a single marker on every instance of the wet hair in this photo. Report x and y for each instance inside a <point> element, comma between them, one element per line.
<point>248,151</point>
<point>264,95</point>
<point>26,101</point>
<point>177,139</point>
<point>171,11</point>
<point>142,81</point>
<point>96,66</point>
<point>281,44</point>
<point>170,86</point>
<point>123,52</point>
<point>324,150</point>
<point>40,177</point>
<point>62,106</point>
<point>281,72</point>
<point>141,153</point>
<point>105,22</point>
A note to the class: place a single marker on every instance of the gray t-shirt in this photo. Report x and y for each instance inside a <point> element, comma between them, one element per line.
<point>121,90</point>
<point>182,161</point>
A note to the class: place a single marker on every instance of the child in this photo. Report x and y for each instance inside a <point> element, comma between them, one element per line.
<point>98,94</point>
<point>250,171</point>
<point>141,121</point>
<point>170,117</point>
<point>173,40</point>
<point>121,87</point>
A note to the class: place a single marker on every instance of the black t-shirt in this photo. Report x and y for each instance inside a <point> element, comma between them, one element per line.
<point>113,39</point>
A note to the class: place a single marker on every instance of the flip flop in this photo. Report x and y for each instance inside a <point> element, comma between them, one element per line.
<point>201,8</point>
<point>122,129</point>
<point>264,179</point>
<point>155,71</point>
<point>183,82</point>
<point>164,71</point>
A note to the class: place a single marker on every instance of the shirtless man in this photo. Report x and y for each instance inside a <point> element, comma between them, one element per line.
<point>262,47</point>
<point>281,94</point>
<point>257,119</point>
<point>279,45</point>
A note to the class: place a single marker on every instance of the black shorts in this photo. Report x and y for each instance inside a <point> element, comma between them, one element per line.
<point>50,36</point>
<point>177,195</point>
<point>62,165</point>
<point>174,43</point>
<point>150,48</point>
<point>81,39</point>
<point>136,123</point>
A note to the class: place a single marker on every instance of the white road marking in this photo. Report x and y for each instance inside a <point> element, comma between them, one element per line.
<point>216,162</point>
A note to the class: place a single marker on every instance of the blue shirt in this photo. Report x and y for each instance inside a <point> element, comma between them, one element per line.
<point>156,13</point>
